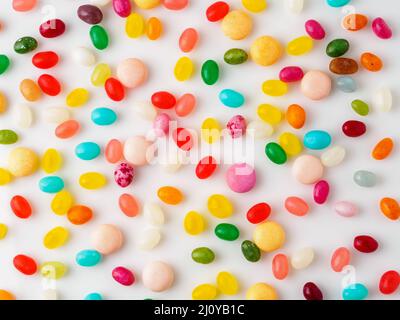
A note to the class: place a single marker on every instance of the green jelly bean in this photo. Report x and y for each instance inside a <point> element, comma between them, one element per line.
<point>4,63</point>
<point>235,56</point>
<point>227,231</point>
<point>99,37</point>
<point>360,107</point>
<point>203,255</point>
<point>25,45</point>
<point>275,153</point>
<point>250,251</point>
<point>337,48</point>
<point>210,72</point>
<point>8,137</point>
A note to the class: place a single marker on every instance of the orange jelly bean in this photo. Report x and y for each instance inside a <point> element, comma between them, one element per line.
<point>340,258</point>
<point>354,22</point>
<point>296,116</point>
<point>188,39</point>
<point>382,149</point>
<point>114,151</point>
<point>129,205</point>
<point>170,195</point>
<point>79,214</point>
<point>390,208</point>
<point>280,266</point>
<point>154,28</point>
<point>67,129</point>
<point>30,90</point>
<point>5,295</point>
<point>371,62</point>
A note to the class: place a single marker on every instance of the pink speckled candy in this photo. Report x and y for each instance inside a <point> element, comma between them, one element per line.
<point>107,239</point>
<point>316,85</point>
<point>132,72</point>
<point>321,191</point>
<point>138,151</point>
<point>346,208</point>
<point>314,29</point>
<point>291,74</point>
<point>307,169</point>
<point>381,29</point>
<point>161,124</point>
<point>237,126</point>
<point>158,276</point>
<point>124,174</point>
<point>241,177</point>
<point>123,276</point>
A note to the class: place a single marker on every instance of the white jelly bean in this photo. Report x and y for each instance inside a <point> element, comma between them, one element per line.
<point>294,6</point>
<point>24,116</point>
<point>346,208</point>
<point>50,294</point>
<point>56,115</point>
<point>383,99</point>
<point>149,238</point>
<point>302,258</point>
<point>333,156</point>
<point>145,110</point>
<point>84,56</point>
<point>259,129</point>
<point>153,213</point>
<point>100,3</point>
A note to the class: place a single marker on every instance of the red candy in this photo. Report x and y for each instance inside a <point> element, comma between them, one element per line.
<point>365,244</point>
<point>183,139</point>
<point>217,11</point>
<point>163,100</point>
<point>321,191</point>
<point>206,167</point>
<point>114,89</point>
<point>354,128</point>
<point>25,264</point>
<point>312,292</point>
<point>314,29</point>
<point>381,29</point>
<point>52,28</point>
<point>389,282</point>
<point>45,59</point>
<point>49,85</point>
<point>21,207</point>
<point>291,74</point>
<point>258,213</point>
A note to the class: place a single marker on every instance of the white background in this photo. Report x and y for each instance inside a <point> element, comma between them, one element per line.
<point>321,229</point>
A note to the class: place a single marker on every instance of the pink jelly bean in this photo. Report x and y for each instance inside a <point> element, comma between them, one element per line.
<point>346,209</point>
<point>314,29</point>
<point>321,191</point>
<point>124,174</point>
<point>188,39</point>
<point>122,8</point>
<point>291,74</point>
<point>185,105</point>
<point>23,5</point>
<point>296,206</point>
<point>340,258</point>
<point>123,276</point>
<point>175,4</point>
<point>161,124</point>
<point>241,177</point>
<point>114,151</point>
<point>381,29</point>
<point>236,126</point>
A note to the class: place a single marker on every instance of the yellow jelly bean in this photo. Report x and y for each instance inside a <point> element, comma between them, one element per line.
<point>299,46</point>
<point>210,130</point>
<point>135,25</point>
<point>51,161</point>
<point>269,236</point>
<point>154,28</point>
<point>100,74</point>
<point>274,88</point>
<point>194,223</point>
<point>220,206</point>
<point>290,143</point>
<point>204,292</point>
<point>269,113</point>
<point>92,180</point>
<point>261,291</point>
<point>266,50</point>
<point>62,202</point>
<point>147,4</point>
<point>5,177</point>
<point>227,283</point>
<point>22,162</point>
<point>3,231</point>
<point>183,69</point>
<point>53,270</point>
<point>3,102</point>
<point>77,97</point>
<point>56,238</point>
<point>255,6</point>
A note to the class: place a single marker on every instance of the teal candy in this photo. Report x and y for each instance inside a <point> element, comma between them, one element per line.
<point>51,184</point>
<point>364,178</point>
<point>87,150</point>
<point>94,296</point>
<point>355,291</point>
<point>88,258</point>
<point>337,3</point>
<point>346,84</point>
<point>317,139</point>
<point>103,116</point>
<point>231,98</point>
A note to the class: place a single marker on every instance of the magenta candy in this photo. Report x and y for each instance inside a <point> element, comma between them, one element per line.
<point>123,276</point>
<point>122,8</point>
<point>291,74</point>
<point>161,125</point>
<point>321,191</point>
<point>365,244</point>
<point>381,29</point>
<point>236,126</point>
<point>314,29</point>
<point>346,209</point>
<point>354,128</point>
<point>241,177</point>
<point>124,174</point>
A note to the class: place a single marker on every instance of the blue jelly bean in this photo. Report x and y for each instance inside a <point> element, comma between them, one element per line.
<point>337,3</point>
<point>317,139</point>
<point>103,116</point>
<point>346,84</point>
<point>231,98</point>
<point>87,150</point>
<point>88,258</point>
<point>355,291</point>
<point>94,296</point>
<point>51,184</point>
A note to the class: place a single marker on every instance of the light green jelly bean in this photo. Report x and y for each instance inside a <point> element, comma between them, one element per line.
<point>360,107</point>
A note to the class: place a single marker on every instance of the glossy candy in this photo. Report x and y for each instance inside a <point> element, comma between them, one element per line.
<point>236,126</point>
<point>346,208</point>
<point>99,37</point>
<point>188,39</point>
<point>45,59</point>
<point>88,258</point>
<point>296,206</point>
<point>25,45</point>
<point>261,291</point>
<point>137,150</point>
<point>269,236</point>
<point>206,167</point>
<point>354,128</point>
<point>337,48</point>
<point>92,180</point>
<point>184,69</point>
<point>6,295</point>
<point>145,110</point>
<point>365,244</point>
<point>343,66</point>
<point>237,25</point>
<point>266,50</point>
<point>227,231</point>
<point>219,206</point>
<point>5,177</point>
<point>364,178</point>
<point>183,139</point>
<point>354,22</point>
<point>290,143</point>
<point>87,150</point>
<point>67,129</point>
<point>383,99</point>
<point>381,28</point>
<point>321,191</point>
<point>217,11</point>
<point>259,129</point>
<point>390,208</point>
<point>316,85</point>
<point>203,255</point>
<point>62,202</point>
<point>135,26</point>
<point>23,5</point>
<point>235,56</point>
<point>371,62</point>
<point>175,4</point>
<point>274,88</point>
<point>317,139</point>
<point>25,264</point>
<point>185,105</point>
<point>114,89</point>
<point>269,113</point>
<point>194,223</point>
<point>8,136</point>
<point>56,238</point>
<point>123,276</point>
<point>346,84</point>
<point>275,153</point>
<point>280,266</point>
<point>30,90</point>
<point>122,7</point>
<point>149,238</point>
<point>258,213</point>
<point>360,107</point>
<point>300,46</point>
<point>241,177</point>
<point>53,270</point>
<point>113,151</point>
<point>77,97</point>
<point>250,251</point>
<point>79,214</point>
<point>307,169</point>
<point>100,74</point>
<point>210,130</point>
<point>4,63</point>
<point>163,100</point>
<point>52,28</point>
<point>291,74</point>
<point>340,259</point>
<point>314,29</point>
<point>21,207</point>
<point>302,258</point>
<point>382,149</point>
<point>337,3</point>
<point>389,282</point>
<point>204,292</point>
<point>103,116</point>
<point>154,28</point>
<point>295,116</point>
<point>312,292</point>
<point>129,205</point>
<point>170,195</point>
<point>93,296</point>
<point>231,98</point>
<point>210,72</point>
<point>90,14</point>
<point>84,56</point>
<point>255,6</point>
<point>161,124</point>
<point>51,184</point>
<point>355,291</point>
<point>49,85</point>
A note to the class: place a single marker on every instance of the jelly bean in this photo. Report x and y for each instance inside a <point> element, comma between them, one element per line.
<point>269,113</point>
<point>227,283</point>
<point>21,207</point>
<point>114,89</point>
<point>354,128</point>
<point>103,116</point>
<point>56,238</point>
<point>360,107</point>
<point>5,176</point>
<point>50,294</point>
<point>237,25</point>
<point>340,259</point>
<point>206,167</point>
<point>354,22</point>
<point>343,66</point>
<point>3,231</point>
<point>389,282</point>
<point>302,258</point>
<point>219,206</point>
<point>79,214</point>
<point>161,124</point>
<point>100,3</point>
<point>175,4</point>
<point>77,97</point>
<point>23,5</point>
<point>364,178</point>
<point>30,90</point>
<point>94,296</point>
<point>346,84</point>
<point>129,205</point>
<point>217,11</point>
<point>316,85</point>
<point>137,150</point>
<point>236,126</point>
<point>194,223</point>
<point>296,206</point>
<point>163,100</point>
<point>314,29</point>
<point>8,136</point>
<point>203,255</point>
<point>158,276</point>
<point>62,202</point>
<point>52,28</point>
<point>274,88</point>
<point>275,153</point>
<point>113,151</point>
<point>355,291</point>
<point>337,3</point>
<point>53,270</point>
<point>124,174</point>
<point>295,116</point>
<point>49,85</point>
<point>100,74</point>
<point>317,139</point>
<point>22,162</point>
<point>258,213</point>
<point>84,57</point>
<point>333,156</point>
<point>45,59</point>
<point>231,98</point>
<point>371,62</point>
<point>90,14</point>
<point>205,292</point>
<point>280,266</point>
<point>382,149</point>
<point>227,231</point>
<point>188,39</point>
<point>122,8</point>
<point>241,177</point>
<point>25,45</point>
<point>291,74</point>
<point>149,238</point>
<point>145,110</point>
<point>123,276</point>
<point>383,99</point>
<point>210,72</point>
<point>135,26</point>
<point>235,56</point>
<point>381,28</point>
<point>132,72</point>
<point>312,292</point>
<point>290,143</point>
<point>250,251</point>
<point>51,184</point>
<point>390,208</point>
<point>87,150</point>
<point>147,4</point>
<point>294,6</point>
<point>269,236</point>
<point>210,130</point>
<point>184,69</point>
<point>365,244</point>
<point>4,63</point>
<point>185,105</point>
<point>337,48</point>
<point>67,129</point>
<point>154,28</point>
<point>300,46</point>
<point>99,37</point>
<point>88,258</point>
<point>307,169</point>
<point>346,209</point>
<point>107,239</point>
<point>261,291</point>
<point>321,192</point>
<point>259,129</point>
<point>255,6</point>
<point>266,50</point>
<point>183,139</point>
<point>6,295</point>
<point>25,264</point>
<point>92,180</point>
<point>170,195</point>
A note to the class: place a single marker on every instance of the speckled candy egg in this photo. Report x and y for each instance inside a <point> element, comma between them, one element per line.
<point>237,126</point>
<point>158,276</point>
<point>132,72</point>
<point>161,124</point>
<point>124,174</point>
<point>138,151</point>
<point>241,177</point>
<point>316,85</point>
<point>107,239</point>
<point>22,162</point>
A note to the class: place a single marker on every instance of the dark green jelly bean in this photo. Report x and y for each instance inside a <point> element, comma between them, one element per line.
<point>8,137</point>
<point>203,255</point>
<point>235,56</point>
<point>337,48</point>
<point>210,72</point>
<point>99,37</point>
<point>275,153</point>
<point>25,45</point>
<point>227,231</point>
<point>4,63</point>
<point>360,107</point>
<point>250,251</point>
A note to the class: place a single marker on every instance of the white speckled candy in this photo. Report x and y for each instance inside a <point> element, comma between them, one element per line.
<point>153,213</point>
<point>307,169</point>
<point>132,72</point>
<point>316,85</point>
<point>333,156</point>
<point>259,129</point>
<point>302,258</point>
<point>149,238</point>
<point>107,239</point>
<point>138,151</point>
<point>56,115</point>
<point>241,177</point>
<point>346,208</point>
<point>84,56</point>
<point>158,276</point>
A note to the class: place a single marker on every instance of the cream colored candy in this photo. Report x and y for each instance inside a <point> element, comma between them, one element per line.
<point>261,291</point>
<point>333,156</point>
<point>294,6</point>
<point>259,129</point>
<point>132,72</point>
<point>145,110</point>
<point>269,236</point>
<point>307,169</point>
<point>138,151</point>
<point>158,276</point>
<point>266,50</point>
<point>56,115</point>
<point>383,99</point>
<point>237,25</point>
<point>50,294</point>
<point>153,214</point>
<point>24,116</point>
<point>107,239</point>
<point>22,162</point>
<point>316,85</point>
<point>149,238</point>
<point>84,56</point>
<point>100,3</point>
<point>302,258</point>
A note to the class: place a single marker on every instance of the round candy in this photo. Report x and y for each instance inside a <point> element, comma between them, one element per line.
<point>302,258</point>
<point>266,50</point>
<point>22,162</point>
<point>316,85</point>
<point>241,177</point>
<point>137,151</point>
<point>132,72</point>
<point>269,113</point>
<point>237,25</point>
<point>307,169</point>
<point>346,208</point>
<point>194,223</point>
<point>158,276</point>
<point>107,239</point>
<point>219,206</point>
<point>269,236</point>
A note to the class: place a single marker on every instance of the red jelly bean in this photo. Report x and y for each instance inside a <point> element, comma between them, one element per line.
<point>45,59</point>
<point>258,213</point>
<point>183,139</point>
<point>206,167</point>
<point>52,28</point>
<point>354,128</point>
<point>163,100</point>
<point>291,74</point>
<point>49,85</point>
<point>21,207</point>
<point>114,89</point>
<point>389,282</point>
<point>312,292</point>
<point>365,244</point>
<point>381,28</point>
<point>25,264</point>
<point>217,11</point>
<point>321,191</point>
<point>314,29</point>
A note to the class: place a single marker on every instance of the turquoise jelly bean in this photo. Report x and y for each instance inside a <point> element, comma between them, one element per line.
<point>231,98</point>
<point>317,139</point>
<point>103,116</point>
<point>94,296</point>
<point>51,184</point>
<point>337,3</point>
<point>87,150</point>
<point>355,291</point>
<point>346,84</point>
<point>88,258</point>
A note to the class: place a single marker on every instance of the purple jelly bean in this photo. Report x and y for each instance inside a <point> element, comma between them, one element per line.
<point>122,8</point>
<point>381,29</point>
<point>291,74</point>
<point>236,126</point>
<point>124,174</point>
<point>161,124</point>
<point>314,29</point>
<point>321,191</point>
